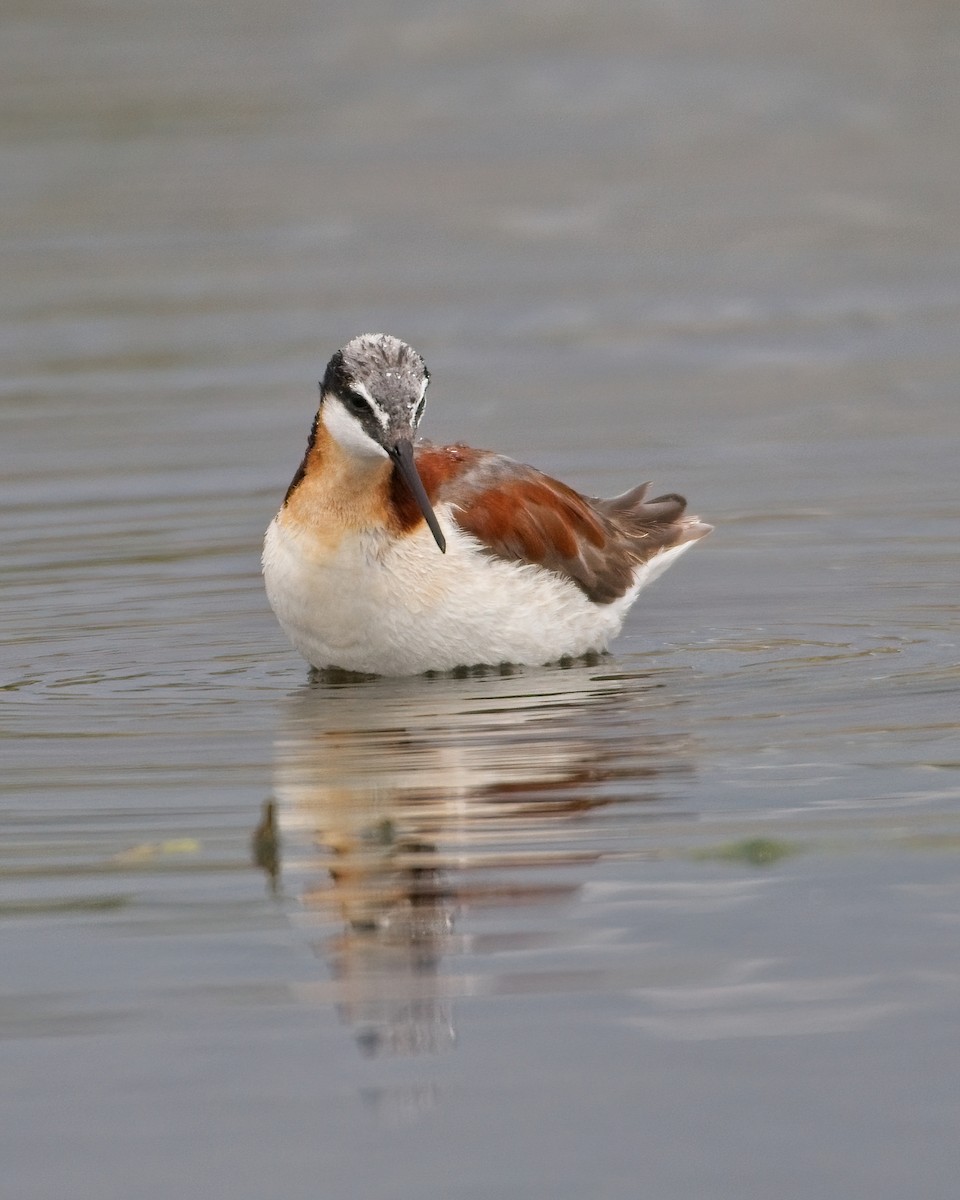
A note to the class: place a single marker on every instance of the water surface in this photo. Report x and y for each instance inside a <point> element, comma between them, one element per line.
<point>682,922</point>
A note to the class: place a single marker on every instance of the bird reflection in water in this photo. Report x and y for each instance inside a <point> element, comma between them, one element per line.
<point>404,803</point>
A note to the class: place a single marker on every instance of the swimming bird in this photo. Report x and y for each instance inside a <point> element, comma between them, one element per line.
<point>391,556</point>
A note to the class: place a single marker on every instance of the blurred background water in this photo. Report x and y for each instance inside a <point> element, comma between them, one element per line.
<point>681,923</point>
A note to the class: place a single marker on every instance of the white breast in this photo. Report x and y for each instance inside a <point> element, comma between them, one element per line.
<point>390,606</point>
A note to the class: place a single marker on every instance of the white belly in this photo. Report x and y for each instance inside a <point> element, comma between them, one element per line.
<point>388,607</point>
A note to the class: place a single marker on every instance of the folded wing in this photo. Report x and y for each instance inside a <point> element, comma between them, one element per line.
<point>521,515</point>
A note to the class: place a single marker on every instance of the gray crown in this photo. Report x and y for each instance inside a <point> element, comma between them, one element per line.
<point>390,370</point>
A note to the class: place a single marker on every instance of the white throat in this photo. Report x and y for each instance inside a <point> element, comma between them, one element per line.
<point>347,431</point>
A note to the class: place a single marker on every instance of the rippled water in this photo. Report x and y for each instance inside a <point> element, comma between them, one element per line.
<point>683,921</point>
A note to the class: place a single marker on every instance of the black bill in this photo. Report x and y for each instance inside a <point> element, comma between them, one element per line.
<point>402,455</point>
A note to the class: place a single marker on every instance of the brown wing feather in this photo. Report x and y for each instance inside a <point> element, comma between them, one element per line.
<point>519,514</point>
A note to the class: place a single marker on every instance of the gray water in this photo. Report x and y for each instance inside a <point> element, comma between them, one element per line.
<point>683,923</point>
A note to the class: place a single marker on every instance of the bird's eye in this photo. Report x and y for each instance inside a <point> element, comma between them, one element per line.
<point>419,413</point>
<point>354,402</point>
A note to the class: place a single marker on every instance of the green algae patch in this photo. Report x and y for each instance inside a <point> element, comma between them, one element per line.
<point>755,852</point>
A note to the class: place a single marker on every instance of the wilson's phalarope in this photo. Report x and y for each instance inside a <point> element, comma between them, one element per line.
<point>390,558</point>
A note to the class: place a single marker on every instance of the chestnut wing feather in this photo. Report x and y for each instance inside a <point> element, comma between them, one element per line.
<point>521,515</point>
